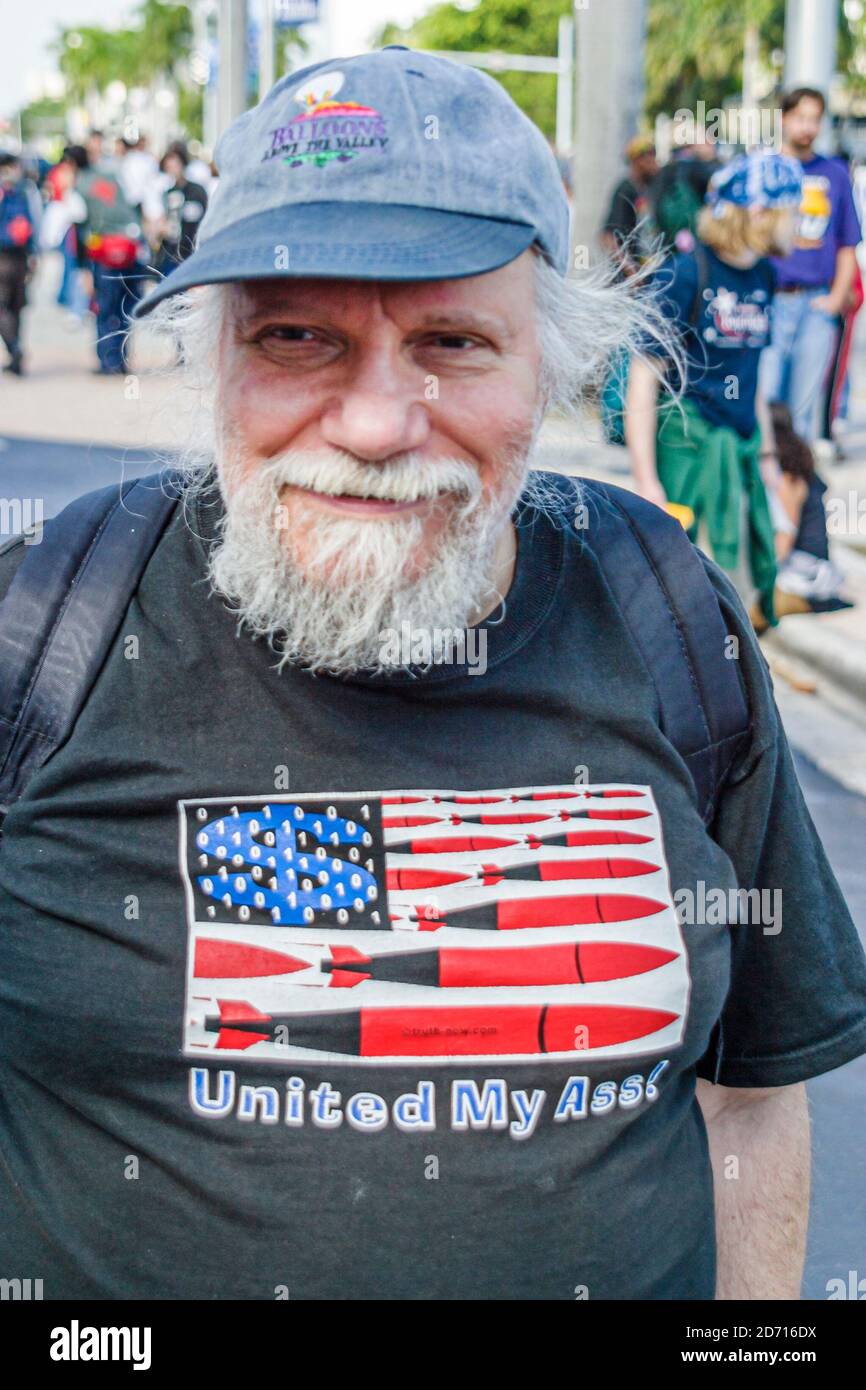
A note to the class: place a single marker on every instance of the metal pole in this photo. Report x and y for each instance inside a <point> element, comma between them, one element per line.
<point>326,28</point>
<point>232,60</point>
<point>203,17</point>
<point>565,86</point>
<point>266,49</point>
<point>751,60</point>
<point>811,27</point>
<point>609,72</point>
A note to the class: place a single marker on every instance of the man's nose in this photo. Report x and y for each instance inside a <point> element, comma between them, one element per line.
<point>378,412</point>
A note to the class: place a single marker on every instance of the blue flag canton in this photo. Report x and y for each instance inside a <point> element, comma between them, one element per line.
<point>292,864</point>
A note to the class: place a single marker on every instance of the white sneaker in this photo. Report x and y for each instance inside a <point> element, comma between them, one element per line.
<point>824,451</point>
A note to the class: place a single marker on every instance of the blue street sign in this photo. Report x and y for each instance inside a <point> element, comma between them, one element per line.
<point>288,13</point>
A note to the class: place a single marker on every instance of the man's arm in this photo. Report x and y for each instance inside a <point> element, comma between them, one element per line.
<point>836,301</point>
<point>759,1149</point>
<point>768,434</point>
<point>641,414</point>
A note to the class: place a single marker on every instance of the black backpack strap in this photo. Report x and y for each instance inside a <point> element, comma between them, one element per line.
<point>659,582</point>
<point>62,612</point>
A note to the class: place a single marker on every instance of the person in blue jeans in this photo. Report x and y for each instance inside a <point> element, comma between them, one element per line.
<point>814,279</point>
<point>112,242</point>
<point>116,293</point>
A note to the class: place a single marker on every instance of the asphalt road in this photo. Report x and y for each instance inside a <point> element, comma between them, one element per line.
<point>57,472</point>
<point>837,1223</point>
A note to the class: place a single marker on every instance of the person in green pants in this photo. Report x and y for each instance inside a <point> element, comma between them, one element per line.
<point>709,447</point>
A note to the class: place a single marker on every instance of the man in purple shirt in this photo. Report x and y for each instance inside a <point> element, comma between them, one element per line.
<point>814,280</point>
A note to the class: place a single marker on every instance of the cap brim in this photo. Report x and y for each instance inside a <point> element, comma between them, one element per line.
<point>348,241</point>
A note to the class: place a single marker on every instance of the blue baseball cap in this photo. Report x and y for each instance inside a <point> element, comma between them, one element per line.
<point>762,179</point>
<point>393,165</point>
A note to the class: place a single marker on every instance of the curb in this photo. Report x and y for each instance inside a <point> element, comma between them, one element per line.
<point>830,654</point>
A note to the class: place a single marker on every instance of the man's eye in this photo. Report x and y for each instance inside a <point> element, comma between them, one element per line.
<point>453,341</point>
<point>288,333</point>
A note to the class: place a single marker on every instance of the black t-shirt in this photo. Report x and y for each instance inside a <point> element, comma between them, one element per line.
<point>627,218</point>
<point>185,206</point>
<point>479,1080</point>
<point>628,205</point>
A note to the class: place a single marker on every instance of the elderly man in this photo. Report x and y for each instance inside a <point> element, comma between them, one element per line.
<point>320,757</point>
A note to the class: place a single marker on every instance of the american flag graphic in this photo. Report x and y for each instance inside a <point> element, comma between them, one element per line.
<point>417,926</point>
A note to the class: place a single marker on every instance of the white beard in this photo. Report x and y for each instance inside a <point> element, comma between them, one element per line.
<point>337,610</point>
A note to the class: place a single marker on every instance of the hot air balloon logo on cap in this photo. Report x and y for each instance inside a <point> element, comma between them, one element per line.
<point>317,98</point>
<point>327,129</point>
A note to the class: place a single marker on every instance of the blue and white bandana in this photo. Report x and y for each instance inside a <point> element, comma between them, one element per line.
<point>762,179</point>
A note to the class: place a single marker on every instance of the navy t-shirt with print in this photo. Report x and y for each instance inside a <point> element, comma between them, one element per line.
<point>396,988</point>
<point>724,323</point>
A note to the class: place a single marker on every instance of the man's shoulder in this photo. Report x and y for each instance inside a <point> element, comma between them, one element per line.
<point>12,552</point>
<point>825,166</point>
<point>141,520</point>
<point>626,188</point>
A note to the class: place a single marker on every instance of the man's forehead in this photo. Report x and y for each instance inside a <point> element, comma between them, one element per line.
<point>477,292</point>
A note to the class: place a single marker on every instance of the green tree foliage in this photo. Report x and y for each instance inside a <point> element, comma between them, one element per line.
<point>165,33</point>
<point>695,50</point>
<point>90,58</point>
<point>43,118</point>
<point>159,37</point>
<point>503,26</point>
<point>156,45</point>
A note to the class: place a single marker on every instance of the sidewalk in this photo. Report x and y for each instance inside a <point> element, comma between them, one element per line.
<point>60,399</point>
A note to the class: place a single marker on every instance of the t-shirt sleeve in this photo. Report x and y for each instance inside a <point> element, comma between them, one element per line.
<point>796,1006</point>
<point>848,231</point>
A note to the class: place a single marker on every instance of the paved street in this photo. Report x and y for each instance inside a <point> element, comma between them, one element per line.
<point>838,1099</point>
<point>56,471</point>
<point>63,432</point>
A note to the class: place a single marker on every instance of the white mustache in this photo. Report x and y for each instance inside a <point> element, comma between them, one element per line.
<point>405,478</point>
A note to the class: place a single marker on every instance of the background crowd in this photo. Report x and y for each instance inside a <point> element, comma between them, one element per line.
<point>119,217</point>
<point>751,261</point>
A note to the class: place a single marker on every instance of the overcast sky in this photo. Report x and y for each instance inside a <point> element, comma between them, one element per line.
<point>28,28</point>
